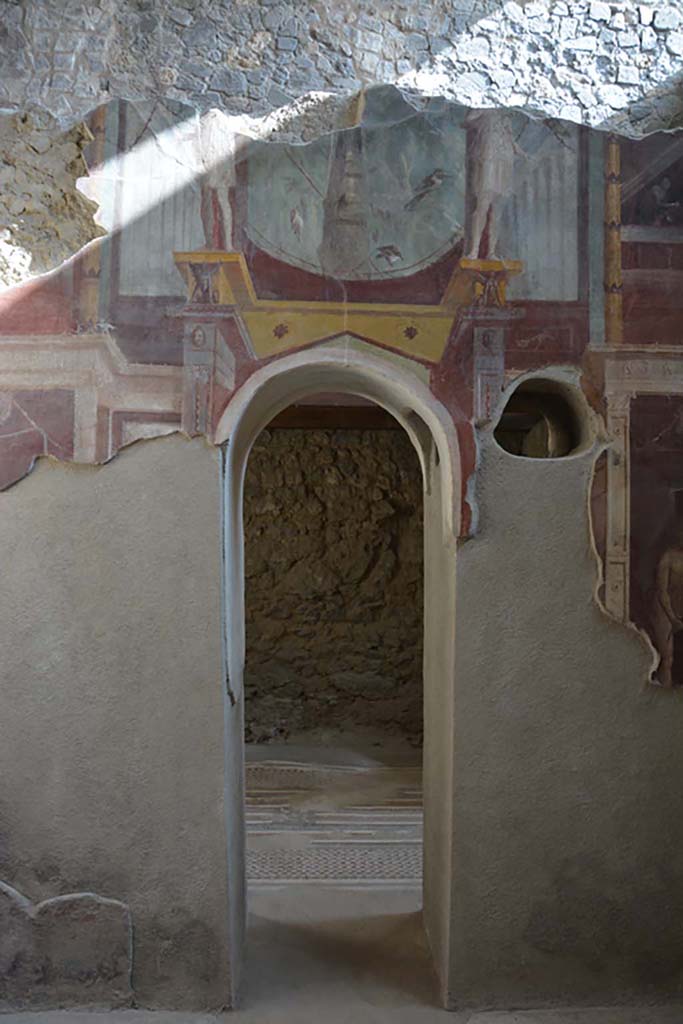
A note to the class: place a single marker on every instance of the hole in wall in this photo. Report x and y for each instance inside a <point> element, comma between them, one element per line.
<point>543,419</point>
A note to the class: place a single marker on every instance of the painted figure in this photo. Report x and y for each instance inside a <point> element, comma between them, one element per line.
<point>656,205</point>
<point>217,160</point>
<point>491,153</point>
<point>667,617</point>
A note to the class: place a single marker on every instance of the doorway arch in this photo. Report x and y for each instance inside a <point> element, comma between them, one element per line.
<point>394,385</point>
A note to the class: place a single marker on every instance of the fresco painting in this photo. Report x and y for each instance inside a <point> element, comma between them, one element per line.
<point>482,245</point>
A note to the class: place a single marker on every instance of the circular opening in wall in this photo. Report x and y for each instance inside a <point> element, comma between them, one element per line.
<point>543,419</point>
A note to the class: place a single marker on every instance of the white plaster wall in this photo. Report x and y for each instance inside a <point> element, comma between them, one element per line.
<point>567,823</point>
<point>111,732</point>
<point>568,815</point>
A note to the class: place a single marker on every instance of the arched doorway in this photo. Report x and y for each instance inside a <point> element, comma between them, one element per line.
<point>355,370</point>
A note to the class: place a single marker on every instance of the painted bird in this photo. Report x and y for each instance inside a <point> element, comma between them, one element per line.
<point>296,221</point>
<point>426,187</point>
<point>391,253</point>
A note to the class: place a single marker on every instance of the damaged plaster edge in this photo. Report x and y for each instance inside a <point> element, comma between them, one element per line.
<point>599,443</point>
<point>275,126</point>
<point>43,276</point>
<point>620,124</point>
<point>603,446</point>
<point>568,376</point>
<point>49,461</point>
<point>34,910</point>
<point>628,624</point>
<point>79,465</point>
<point>21,901</point>
<point>617,126</point>
<point>418,88</point>
<point>317,114</point>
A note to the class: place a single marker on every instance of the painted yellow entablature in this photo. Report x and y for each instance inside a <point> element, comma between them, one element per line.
<point>419,331</point>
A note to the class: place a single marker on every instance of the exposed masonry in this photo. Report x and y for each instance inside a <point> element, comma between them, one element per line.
<point>284,69</point>
<point>44,219</point>
<point>333,549</point>
<point>586,60</point>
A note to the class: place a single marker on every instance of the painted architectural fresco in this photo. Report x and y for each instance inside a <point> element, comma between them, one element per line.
<point>479,245</point>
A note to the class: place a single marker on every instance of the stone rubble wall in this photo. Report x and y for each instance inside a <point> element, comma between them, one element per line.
<point>44,219</point>
<point>333,548</point>
<point>586,60</point>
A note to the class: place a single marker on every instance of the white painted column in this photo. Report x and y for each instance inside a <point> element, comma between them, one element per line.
<point>85,425</point>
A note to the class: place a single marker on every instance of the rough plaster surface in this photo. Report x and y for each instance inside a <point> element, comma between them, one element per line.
<point>111,733</point>
<point>333,535</point>
<point>568,826</point>
<point>74,950</point>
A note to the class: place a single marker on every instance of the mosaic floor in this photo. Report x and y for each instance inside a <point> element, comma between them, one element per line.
<point>340,823</point>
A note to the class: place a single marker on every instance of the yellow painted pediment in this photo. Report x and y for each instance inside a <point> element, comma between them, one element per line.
<point>222,279</point>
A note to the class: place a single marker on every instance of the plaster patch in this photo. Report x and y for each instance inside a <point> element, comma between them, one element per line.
<point>66,951</point>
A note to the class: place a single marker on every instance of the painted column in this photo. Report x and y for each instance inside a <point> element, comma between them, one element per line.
<point>85,425</point>
<point>489,370</point>
<point>90,267</point>
<point>614,318</point>
<point>596,144</point>
<point>618,508</point>
<point>344,250</point>
<point>198,362</point>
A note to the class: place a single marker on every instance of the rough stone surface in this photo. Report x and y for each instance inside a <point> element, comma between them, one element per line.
<point>68,57</point>
<point>73,950</point>
<point>333,533</point>
<point>44,219</point>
